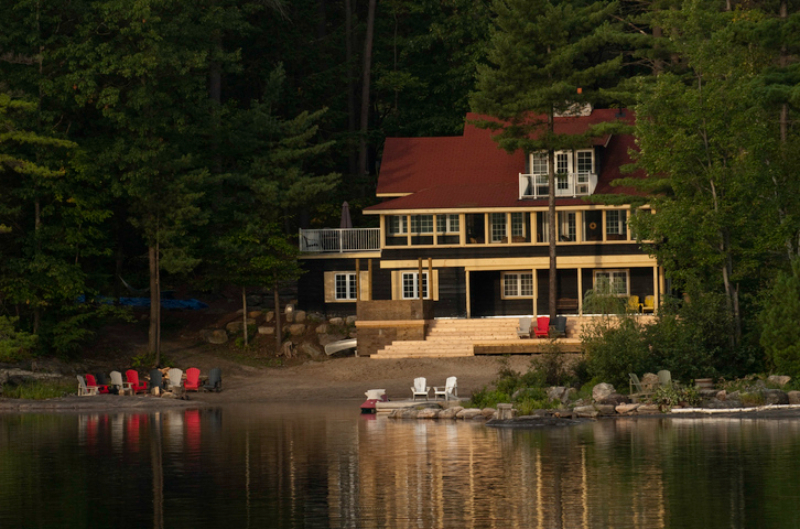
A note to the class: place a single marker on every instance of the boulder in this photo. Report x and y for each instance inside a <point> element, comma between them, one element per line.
<point>297,329</point>
<point>270,316</point>
<point>215,336</point>
<point>287,349</point>
<point>626,409</point>
<point>722,395</point>
<point>311,350</point>
<point>648,409</point>
<point>775,396</point>
<point>505,412</point>
<point>288,317</point>
<point>794,397</point>
<point>338,322</point>
<point>606,409</point>
<point>778,380</point>
<point>468,413</point>
<point>614,399</point>
<point>557,393</point>
<point>586,411</point>
<point>565,413</point>
<point>428,413</point>
<point>314,317</point>
<point>488,413</point>
<point>236,326</point>
<point>450,413</point>
<point>325,339</point>
<point>322,328</point>
<point>716,404</point>
<point>299,316</point>
<point>350,320</point>
<point>255,314</point>
<point>266,329</point>
<point>602,391</point>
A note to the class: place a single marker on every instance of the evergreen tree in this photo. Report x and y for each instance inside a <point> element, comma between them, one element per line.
<point>546,58</point>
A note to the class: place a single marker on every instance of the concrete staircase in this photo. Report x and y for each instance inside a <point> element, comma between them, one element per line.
<point>449,338</point>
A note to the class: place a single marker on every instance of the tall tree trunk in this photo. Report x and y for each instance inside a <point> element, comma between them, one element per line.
<point>783,62</point>
<point>244,314</point>
<point>551,228</point>
<point>278,332</point>
<point>365,85</point>
<point>154,345</point>
<point>351,93</point>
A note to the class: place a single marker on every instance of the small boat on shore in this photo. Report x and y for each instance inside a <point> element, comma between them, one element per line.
<point>374,396</point>
<point>341,345</point>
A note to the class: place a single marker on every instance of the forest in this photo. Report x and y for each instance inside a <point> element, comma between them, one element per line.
<point>166,144</point>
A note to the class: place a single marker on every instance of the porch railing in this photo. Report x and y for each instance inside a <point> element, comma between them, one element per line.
<point>340,240</point>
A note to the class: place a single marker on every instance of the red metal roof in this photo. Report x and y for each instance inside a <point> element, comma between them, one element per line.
<point>470,171</point>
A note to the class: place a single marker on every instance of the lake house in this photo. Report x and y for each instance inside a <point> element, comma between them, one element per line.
<point>467,223</point>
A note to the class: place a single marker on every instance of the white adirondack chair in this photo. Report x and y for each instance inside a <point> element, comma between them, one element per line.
<point>450,389</point>
<point>83,389</point>
<point>175,376</point>
<point>123,387</point>
<point>420,389</point>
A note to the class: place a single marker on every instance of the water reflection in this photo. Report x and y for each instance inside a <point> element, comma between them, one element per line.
<point>294,466</point>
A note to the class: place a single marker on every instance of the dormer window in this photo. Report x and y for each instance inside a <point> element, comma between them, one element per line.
<point>575,174</point>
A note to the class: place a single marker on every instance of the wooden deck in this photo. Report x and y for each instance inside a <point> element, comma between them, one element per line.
<point>490,336</point>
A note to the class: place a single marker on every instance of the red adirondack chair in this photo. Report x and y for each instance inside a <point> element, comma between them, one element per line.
<point>542,329</point>
<point>92,382</point>
<point>192,382</point>
<point>133,379</point>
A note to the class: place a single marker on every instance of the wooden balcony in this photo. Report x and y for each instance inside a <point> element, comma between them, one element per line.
<point>338,240</point>
<point>534,186</point>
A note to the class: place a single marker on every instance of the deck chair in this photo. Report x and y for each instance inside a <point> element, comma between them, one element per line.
<point>174,379</point>
<point>634,305</point>
<point>665,379</point>
<point>118,384</point>
<point>542,329</point>
<point>91,382</point>
<point>214,382</point>
<point>156,380</point>
<point>133,380</point>
<point>420,389</point>
<point>636,390</point>
<point>450,389</point>
<point>192,382</point>
<point>83,389</point>
<point>524,327</point>
<point>649,304</point>
<point>560,327</point>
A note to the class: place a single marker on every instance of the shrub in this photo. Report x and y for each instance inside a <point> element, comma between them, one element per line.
<point>40,389</point>
<point>780,332</point>
<point>15,345</point>
<point>613,351</point>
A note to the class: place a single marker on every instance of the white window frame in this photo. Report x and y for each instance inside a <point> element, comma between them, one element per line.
<point>517,285</point>
<point>578,154</point>
<point>398,224</point>
<point>421,224</point>
<point>538,163</point>
<point>544,225</point>
<point>449,223</point>
<point>618,225</point>
<point>498,226</point>
<point>351,286</point>
<point>611,276</point>
<point>410,279</point>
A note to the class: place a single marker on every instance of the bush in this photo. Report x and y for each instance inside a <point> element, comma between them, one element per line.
<point>40,389</point>
<point>613,351</point>
<point>780,332</point>
<point>14,345</point>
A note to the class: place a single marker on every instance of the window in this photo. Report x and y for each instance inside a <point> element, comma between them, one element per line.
<point>518,285</point>
<point>542,227</point>
<point>585,162</point>
<point>562,163</point>
<point>613,282</point>
<point>518,225</point>
<point>422,224</point>
<point>539,163</point>
<point>447,223</point>
<point>345,286</point>
<point>566,226</point>
<point>398,224</point>
<point>616,225</point>
<point>410,285</point>
<point>498,225</point>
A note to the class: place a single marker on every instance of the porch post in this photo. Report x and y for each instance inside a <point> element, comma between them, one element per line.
<point>535,294</point>
<point>469,297</point>
<point>580,291</point>
<point>419,278</point>
<point>358,280</point>
<point>656,297</point>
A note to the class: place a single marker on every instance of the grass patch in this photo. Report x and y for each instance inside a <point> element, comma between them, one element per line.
<point>41,389</point>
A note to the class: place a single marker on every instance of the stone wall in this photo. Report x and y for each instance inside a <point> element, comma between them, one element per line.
<point>380,323</point>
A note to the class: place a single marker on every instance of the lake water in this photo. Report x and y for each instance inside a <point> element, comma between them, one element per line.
<point>324,465</point>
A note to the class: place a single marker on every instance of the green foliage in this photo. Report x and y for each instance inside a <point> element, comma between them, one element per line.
<point>615,347</point>
<point>528,387</point>
<point>40,389</point>
<point>147,360</point>
<point>15,345</point>
<point>600,301</point>
<point>779,317</point>
<point>666,397</point>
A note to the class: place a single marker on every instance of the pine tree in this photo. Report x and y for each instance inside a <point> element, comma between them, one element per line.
<point>544,58</point>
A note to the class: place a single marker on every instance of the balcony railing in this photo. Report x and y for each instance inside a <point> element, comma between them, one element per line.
<point>533,186</point>
<point>340,240</point>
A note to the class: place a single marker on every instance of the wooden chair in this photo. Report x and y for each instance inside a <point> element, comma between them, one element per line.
<point>420,389</point>
<point>133,380</point>
<point>214,382</point>
<point>524,327</point>
<point>192,382</point>
<point>649,304</point>
<point>542,329</point>
<point>450,389</point>
<point>83,389</point>
<point>91,382</point>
